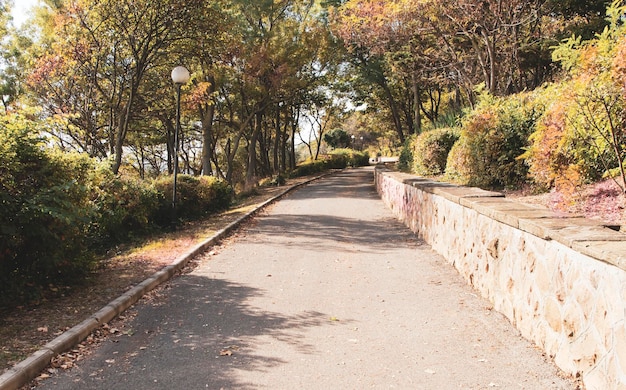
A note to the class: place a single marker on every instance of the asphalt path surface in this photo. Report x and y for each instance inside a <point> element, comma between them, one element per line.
<point>323,290</point>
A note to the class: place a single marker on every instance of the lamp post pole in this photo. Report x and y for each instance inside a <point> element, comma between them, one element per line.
<point>180,76</point>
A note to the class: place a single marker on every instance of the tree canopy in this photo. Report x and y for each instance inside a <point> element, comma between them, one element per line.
<point>260,68</point>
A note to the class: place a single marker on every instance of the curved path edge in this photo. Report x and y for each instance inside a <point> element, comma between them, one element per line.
<point>29,368</point>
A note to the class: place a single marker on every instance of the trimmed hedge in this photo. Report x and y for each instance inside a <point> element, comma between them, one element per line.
<point>430,151</point>
<point>45,214</point>
<point>493,137</point>
<point>350,157</point>
<point>125,208</point>
<point>406,160</point>
<point>197,197</point>
<point>337,159</point>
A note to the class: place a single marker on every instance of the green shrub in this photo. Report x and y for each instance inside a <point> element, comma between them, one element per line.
<point>430,151</point>
<point>349,158</point>
<point>196,197</point>
<point>581,136</point>
<point>57,209</point>
<point>125,207</point>
<point>214,193</point>
<point>493,137</point>
<point>45,213</point>
<point>309,168</point>
<point>337,159</point>
<point>458,168</point>
<point>405,161</point>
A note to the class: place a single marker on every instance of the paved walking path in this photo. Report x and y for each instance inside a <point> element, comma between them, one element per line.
<point>324,290</point>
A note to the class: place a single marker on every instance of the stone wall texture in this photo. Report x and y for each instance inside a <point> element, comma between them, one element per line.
<point>559,279</point>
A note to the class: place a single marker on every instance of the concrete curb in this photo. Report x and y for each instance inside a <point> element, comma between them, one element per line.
<point>28,369</point>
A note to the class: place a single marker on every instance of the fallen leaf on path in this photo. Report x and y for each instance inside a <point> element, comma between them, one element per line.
<point>226,352</point>
<point>43,329</point>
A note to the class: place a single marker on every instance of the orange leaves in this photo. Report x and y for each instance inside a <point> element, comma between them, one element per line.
<point>201,93</point>
<point>546,143</point>
<point>619,63</point>
<point>46,68</point>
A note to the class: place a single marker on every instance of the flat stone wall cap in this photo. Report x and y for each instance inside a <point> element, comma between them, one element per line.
<point>534,213</point>
<point>467,192</point>
<point>415,180</point>
<point>560,221</point>
<point>401,174</point>
<point>495,204</point>
<point>432,187</point>
<point>611,252</point>
<point>535,227</point>
<point>546,227</point>
<point>569,235</point>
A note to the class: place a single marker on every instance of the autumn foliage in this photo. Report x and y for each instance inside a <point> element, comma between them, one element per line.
<point>581,138</point>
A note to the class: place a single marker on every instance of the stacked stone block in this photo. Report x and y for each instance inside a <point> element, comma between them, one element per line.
<point>558,278</point>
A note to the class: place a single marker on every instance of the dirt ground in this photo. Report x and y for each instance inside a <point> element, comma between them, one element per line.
<point>604,201</point>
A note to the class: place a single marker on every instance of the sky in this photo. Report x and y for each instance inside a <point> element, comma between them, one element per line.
<point>20,10</point>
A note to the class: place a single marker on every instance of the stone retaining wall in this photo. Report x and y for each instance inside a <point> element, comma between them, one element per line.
<point>559,279</point>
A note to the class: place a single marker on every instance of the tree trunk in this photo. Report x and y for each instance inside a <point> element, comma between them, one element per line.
<point>294,127</point>
<point>277,141</point>
<point>394,110</point>
<point>283,147</point>
<point>122,129</point>
<point>417,113</point>
<point>207,131</point>
<point>251,170</point>
<point>120,135</point>
<point>264,141</point>
<point>490,43</point>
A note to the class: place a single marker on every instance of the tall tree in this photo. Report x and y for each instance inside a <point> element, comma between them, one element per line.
<point>108,49</point>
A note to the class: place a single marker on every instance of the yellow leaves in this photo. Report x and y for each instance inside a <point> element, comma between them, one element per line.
<point>618,67</point>
<point>546,142</point>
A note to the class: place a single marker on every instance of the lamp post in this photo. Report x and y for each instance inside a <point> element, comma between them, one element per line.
<point>180,76</point>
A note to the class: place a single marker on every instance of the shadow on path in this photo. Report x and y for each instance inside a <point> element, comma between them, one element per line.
<point>328,233</point>
<point>351,183</point>
<point>193,334</point>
